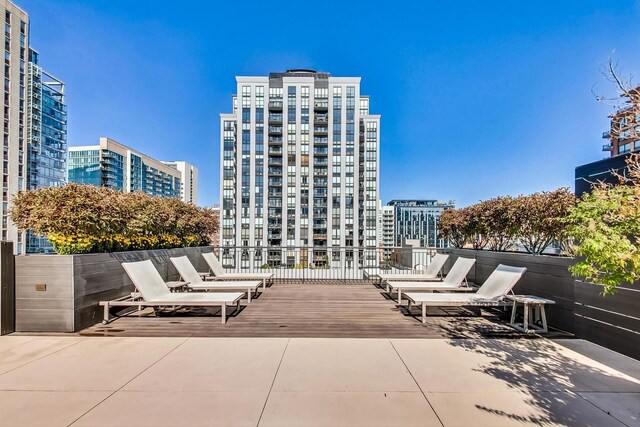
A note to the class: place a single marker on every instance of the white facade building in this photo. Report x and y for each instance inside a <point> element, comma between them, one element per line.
<point>299,170</point>
<point>387,229</point>
<point>189,190</point>
<point>14,166</point>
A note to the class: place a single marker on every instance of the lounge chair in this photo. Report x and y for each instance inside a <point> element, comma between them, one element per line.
<point>431,273</point>
<point>189,274</point>
<point>152,292</point>
<point>220,274</point>
<point>455,281</point>
<point>492,292</point>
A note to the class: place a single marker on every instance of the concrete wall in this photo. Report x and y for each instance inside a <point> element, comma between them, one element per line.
<point>612,321</point>
<point>60,293</point>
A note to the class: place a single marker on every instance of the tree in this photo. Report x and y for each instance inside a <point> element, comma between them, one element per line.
<point>501,226</point>
<point>475,227</point>
<point>540,218</point>
<point>451,227</point>
<point>625,101</point>
<point>606,227</point>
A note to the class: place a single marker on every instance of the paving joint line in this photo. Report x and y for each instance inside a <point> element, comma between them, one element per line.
<point>273,382</point>
<point>46,355</point>
<point>125,384</point>
<point>591,403</point>
<point>416,381</point>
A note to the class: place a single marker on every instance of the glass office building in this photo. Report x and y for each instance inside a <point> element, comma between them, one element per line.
<point>46,138</point>
<point>117,166</point>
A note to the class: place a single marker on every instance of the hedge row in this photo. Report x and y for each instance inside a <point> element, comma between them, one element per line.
<point>87,219</point>
<point>534,222</point>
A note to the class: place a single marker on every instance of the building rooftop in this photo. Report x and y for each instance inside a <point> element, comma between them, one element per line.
<point>418,203</point>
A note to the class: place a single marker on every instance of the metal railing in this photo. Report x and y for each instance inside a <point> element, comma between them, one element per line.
<point>324,263</point>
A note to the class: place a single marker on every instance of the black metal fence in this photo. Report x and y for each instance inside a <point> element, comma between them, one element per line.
<point>324,263</point>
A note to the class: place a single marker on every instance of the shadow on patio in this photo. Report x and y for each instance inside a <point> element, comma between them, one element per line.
<point>555,384</point>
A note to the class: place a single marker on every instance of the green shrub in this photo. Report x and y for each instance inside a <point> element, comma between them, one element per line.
<point>86,219</point>
<point>534,221</point>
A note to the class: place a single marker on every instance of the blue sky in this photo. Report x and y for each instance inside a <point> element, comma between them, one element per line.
<point>478,99</point>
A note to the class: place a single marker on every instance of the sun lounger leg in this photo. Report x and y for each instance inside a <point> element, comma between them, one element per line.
<point>543,315</point>
<point>513,314</point>
<point>224,313</point>
<point>264,284</point>
<point>409,306</point>
<point>106,314</point>
<point>249,296</point>
<point>525,323</point>
<point>388,290</point>
<point>424,313</point>
<point>399,296</point>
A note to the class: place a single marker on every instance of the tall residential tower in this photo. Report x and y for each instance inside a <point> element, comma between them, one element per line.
<point>299,169</point>
<point>14,165</point>
<point>46,138</point>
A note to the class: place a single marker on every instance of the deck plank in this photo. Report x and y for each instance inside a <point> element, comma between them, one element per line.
<point>313,309</point>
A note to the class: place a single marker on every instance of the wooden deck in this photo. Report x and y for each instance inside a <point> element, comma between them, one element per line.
<point>323,309</point>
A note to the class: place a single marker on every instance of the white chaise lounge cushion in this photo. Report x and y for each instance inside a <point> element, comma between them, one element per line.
<point>186,270</point>
<point>218,271</point>
<point>147,280</point>
<point>149,283</point>
<point>453,280</point>
<point>496,287</point>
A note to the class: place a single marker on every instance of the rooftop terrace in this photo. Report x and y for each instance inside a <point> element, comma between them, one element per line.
<point>315,352</point>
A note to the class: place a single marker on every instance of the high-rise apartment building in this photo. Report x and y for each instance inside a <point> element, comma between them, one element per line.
<point>299,169</point>
<point>46,138</point>
<point>419,220</point>
<point>387,229</point>
<point>189,179</point>
<point>624,134</point>
<point>111,164</point>
<point>14,166</point>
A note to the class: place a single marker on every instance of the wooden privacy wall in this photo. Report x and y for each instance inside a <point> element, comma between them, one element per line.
<point>612,321</point>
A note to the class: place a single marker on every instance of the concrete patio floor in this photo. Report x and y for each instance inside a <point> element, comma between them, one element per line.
<point>81,381</point>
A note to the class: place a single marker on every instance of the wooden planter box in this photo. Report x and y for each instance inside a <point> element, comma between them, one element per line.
<point>60,293</point>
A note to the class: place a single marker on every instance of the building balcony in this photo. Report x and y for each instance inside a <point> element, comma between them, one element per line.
<point>321,105</point>
<point>606,135</point>
<point>607,147</point>
<point>275,130</point>
<point>321,118</point>
<point>275,105</point>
